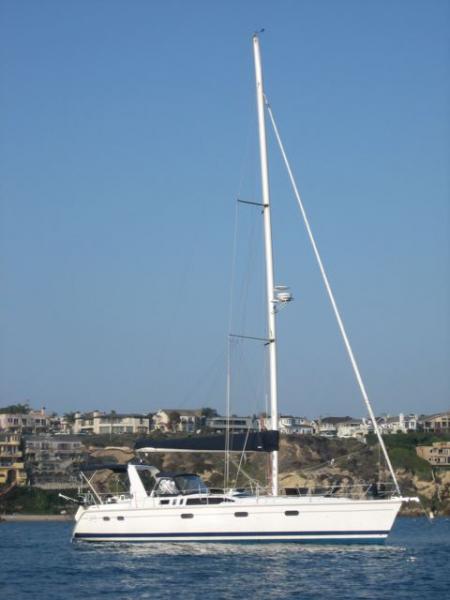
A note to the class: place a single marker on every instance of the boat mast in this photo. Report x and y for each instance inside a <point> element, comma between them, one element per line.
<point>271,301</point>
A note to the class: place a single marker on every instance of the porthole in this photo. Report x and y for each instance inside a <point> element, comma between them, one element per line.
<point>187,516</point>
<point>241,514</point>
<point>291,513</point>
<point>106,518</point>
<point>121,518</point>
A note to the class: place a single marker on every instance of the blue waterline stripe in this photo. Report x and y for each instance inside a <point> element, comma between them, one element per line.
<point>222,535</point>
<point>363,541</point>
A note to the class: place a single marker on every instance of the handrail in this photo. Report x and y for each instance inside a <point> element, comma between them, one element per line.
<point>373,490</point>
<point>359,490</point>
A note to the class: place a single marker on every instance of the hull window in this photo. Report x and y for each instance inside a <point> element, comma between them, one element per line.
<point>291,513</point>
<point>106,518</point>
<point>187,516</point>
<point>241,514</point>
<point>197,501</point>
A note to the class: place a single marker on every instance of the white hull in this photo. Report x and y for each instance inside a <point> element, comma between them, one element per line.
<point>257,519</point>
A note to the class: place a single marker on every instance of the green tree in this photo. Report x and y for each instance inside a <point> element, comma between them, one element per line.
<point>16,409</point>
<point>70,417</point>
<point>209,413</point>
<point>174,420</point>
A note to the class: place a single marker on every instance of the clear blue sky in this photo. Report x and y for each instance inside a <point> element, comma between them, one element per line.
<point>127,131</point>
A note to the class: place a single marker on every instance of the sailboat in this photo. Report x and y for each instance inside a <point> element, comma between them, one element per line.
<point>180,507</point>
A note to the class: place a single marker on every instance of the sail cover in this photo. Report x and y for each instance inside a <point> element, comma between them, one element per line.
<point>256,441</point>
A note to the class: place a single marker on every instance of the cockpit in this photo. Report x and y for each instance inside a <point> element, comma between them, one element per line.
<point>174,485</point>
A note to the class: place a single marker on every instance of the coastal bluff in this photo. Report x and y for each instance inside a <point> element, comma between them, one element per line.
<point>309,463</point>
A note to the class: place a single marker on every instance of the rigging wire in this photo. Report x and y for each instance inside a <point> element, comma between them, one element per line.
<point>336,460</point>
<point>238,311</point>
<point>229,342</point>
<point>332,300</point>
<point>241,457</point>
<point>208,375</point>
<point>251,479</point>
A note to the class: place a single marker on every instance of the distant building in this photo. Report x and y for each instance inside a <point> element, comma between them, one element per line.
<point>33,421</point>
<point>438,454</point>
<point>59,424</point>
<point>437,423</point>
<point>12,468</point>
<point>53,459</point>
<point>325,429</point>
<point>289,425</point>
<point>177,419</point>
<point>354,428</point>
<point>328,426</point>
<point>397,424</point>
<point>349,427</point>
<point>97,422</point>
<point>220,424</point>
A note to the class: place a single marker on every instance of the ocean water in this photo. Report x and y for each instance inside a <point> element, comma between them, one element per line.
<point>38,561</point>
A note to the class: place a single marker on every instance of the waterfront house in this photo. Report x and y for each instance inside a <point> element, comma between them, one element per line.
<point>438,454</point>
<point>398,424</point>
<point>12,468</point>
<point>235,424</point>
<point>98,422</point>
<point>177,419</point>
<point>329,426</point>
<point>436,423</point>
<point>52,461</point>
<point>32,421</point>
<point>353,428</point>
<point>289,425</point>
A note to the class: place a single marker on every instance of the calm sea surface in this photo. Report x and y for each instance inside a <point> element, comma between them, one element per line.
<point>38,561</point>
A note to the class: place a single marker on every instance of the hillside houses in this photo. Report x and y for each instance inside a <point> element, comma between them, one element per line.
<point>46,450</point>
<point>176,420</point>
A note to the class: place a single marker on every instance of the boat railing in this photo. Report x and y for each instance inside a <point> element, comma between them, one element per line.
<point>88,497</point>
<point>363,490</point>
<point>373,490</point>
